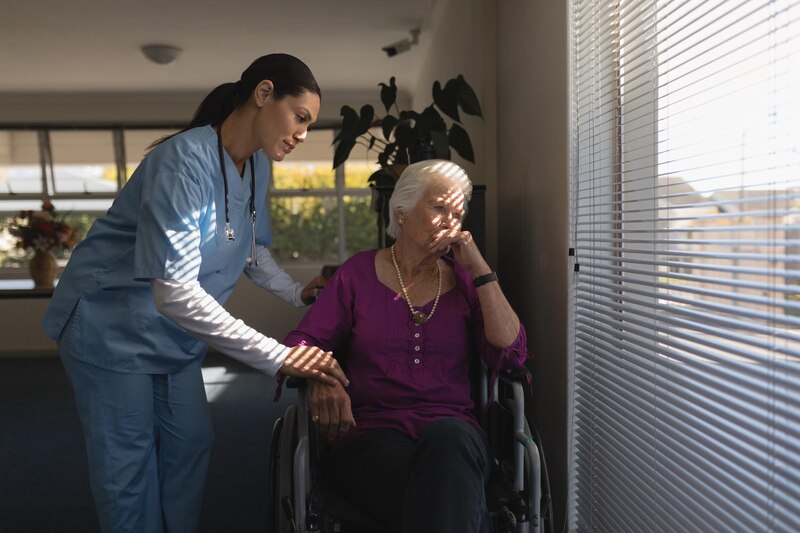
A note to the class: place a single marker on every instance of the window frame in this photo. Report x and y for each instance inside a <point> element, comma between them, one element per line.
<point>46,163</point>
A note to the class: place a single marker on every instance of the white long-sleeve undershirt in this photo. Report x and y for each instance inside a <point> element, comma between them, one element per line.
<point>270,276</point>
<point>193,309</point>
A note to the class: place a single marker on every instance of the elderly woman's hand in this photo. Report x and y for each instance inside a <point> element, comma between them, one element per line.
<point>465,251</point>
<point>330,409</point>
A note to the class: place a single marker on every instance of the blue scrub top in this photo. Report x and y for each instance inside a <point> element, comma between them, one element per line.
<point>167,222</point>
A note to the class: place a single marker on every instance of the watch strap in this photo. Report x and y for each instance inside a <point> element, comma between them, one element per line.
<point>483,280</point>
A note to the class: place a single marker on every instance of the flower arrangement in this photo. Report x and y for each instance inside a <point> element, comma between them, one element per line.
<point>42,230</point>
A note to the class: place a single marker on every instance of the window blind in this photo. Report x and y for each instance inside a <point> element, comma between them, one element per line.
<point>685,224</point>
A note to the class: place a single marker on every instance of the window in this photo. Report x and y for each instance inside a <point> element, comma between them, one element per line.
<point>685,198</point>
<point>79,169</point>
<point>319,214</point>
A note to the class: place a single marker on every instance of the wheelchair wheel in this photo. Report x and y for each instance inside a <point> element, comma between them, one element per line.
<point>272,489</point>
<point>547,520</point>
<point>283,472</point>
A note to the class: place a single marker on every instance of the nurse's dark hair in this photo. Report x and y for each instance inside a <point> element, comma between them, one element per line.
<point>289,77</point>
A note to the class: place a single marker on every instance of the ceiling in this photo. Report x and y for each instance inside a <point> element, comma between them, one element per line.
<point>94,45</point>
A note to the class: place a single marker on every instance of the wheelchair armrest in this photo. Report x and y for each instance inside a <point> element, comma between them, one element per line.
<point>516,375</point>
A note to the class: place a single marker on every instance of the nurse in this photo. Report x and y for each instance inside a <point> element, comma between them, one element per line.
<point>142,297</point>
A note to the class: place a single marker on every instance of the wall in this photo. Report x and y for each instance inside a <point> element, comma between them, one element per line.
<point>21,331</point>
<point>515,55</point>
<point>462,41</point>
<point>138,108</point>
<point>533,157</point>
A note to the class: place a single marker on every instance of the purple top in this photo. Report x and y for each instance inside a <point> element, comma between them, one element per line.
<point>402,376</point>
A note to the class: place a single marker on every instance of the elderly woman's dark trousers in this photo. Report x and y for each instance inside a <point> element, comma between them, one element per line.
<point>435,484</point>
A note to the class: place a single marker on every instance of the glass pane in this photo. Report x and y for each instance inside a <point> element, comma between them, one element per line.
<point>83,161</point>
<point>362,162</point>
<point>20,169</point>
<point>137,143</point>
<point>310,166</point>
<point>356,174</point>
<point>303,175</point>
<point>304,229</point>
<point>361,226</point>
<point>729,182</point>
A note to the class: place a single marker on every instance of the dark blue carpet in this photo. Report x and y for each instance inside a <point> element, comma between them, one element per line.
<point>44,485</point>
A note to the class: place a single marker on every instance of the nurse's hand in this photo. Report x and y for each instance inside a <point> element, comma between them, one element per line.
<point>311,362</point>
<point>312,290</point>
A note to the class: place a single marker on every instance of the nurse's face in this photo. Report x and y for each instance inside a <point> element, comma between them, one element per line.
<point>283,124</point>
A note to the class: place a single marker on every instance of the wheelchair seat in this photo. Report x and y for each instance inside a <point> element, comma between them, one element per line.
<point>303,498</point>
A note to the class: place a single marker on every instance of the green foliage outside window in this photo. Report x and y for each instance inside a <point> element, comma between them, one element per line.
<point>305,228</point>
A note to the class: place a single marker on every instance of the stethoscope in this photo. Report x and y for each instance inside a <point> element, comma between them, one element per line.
<point>253,259</point>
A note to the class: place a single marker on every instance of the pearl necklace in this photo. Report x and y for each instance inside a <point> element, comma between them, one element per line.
<point>418,316</point>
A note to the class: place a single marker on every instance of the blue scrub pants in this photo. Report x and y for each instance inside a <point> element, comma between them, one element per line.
<point>149,439</point>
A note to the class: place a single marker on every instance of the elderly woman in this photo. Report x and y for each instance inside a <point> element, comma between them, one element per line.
<point>405,321</point>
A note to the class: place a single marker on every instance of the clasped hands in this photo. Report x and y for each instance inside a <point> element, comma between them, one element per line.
<point>329,401</point>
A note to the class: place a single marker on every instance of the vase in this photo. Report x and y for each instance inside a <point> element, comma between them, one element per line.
<point>42,267</point>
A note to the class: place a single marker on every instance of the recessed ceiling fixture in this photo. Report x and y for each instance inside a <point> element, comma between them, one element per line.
<point>161,54</point>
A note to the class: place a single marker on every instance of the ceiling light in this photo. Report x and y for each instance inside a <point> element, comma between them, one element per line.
<point>161,54</point>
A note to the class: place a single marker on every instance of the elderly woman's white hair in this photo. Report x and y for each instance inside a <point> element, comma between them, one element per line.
<point>416,179</point>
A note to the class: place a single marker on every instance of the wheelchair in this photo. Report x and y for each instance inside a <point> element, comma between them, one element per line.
<point>301,500</point>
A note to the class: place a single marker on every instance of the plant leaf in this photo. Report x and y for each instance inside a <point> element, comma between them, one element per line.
<point>441,145</point>
<point>467,98</point>
<point>403,135</point>
<point>383,157</point>
<point>365,119</point>
<point>447,99</point>
<point>388,124</point>
<point>349,122</point>
<point>388,93</point>
<point>459,140</point>
<point>432,120</point>
<point>342,152</point>
<point>406,116</point>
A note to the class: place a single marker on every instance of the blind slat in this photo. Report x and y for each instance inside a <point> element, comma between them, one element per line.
<point>685,225</point>
<point>738,442</point>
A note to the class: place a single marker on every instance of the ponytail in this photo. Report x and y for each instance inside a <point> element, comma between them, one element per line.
<point>289,76</point>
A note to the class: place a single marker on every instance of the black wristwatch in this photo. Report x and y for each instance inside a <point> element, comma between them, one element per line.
<point>486,278</point>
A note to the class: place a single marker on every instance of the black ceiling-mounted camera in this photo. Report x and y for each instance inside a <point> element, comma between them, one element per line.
<point>403,45</point>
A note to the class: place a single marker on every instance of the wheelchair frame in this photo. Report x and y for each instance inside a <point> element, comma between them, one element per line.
<point>303,518</point>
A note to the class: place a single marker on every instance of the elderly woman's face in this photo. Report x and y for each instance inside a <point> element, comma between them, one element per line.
<point>441,208</point>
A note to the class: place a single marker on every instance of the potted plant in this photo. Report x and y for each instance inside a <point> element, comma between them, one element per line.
<point>409,136</point>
